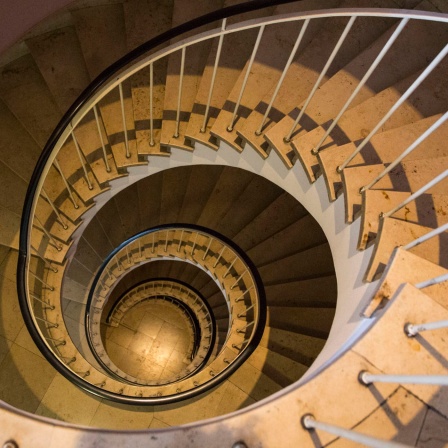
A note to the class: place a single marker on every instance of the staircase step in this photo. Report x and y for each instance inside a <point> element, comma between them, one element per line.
<point>427,210</point>
<point>393,233</point>
<point>307,68</point>
<point>309,263</point>
<point>315,322</point>
<point>231,64</point>
<point>407,267</point>
<point>281,369</point>
<point>301,235</point>
<point>319,291</point>
<point>253,382</point>
<point>298,347</point>
<point>102,36</point>
<point>326,105</point>
<point>265,71</point>
<point>278,215</point>
<point>195,62</point>
<point>27,96</point>
<point>408,176</point>
<point>67,80</point>
<point>384,147</point>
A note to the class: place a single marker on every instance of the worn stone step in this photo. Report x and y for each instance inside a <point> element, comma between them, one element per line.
<point>66,77</point>
<point>315,322</point>
<point>326,104</point>
<point>235,52</point>
<point>265,71</point>
<point>385,147</point>
<point>25,92</point>
<point>407,176</point>
<point>357,122</point>
<point>393,233</point>
<point>428,210</point>
<point>307,68</point>
<point>406,267</point>
<point>298,347</point>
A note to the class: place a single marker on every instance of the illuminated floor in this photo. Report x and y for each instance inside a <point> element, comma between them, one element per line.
<point>153,341</point>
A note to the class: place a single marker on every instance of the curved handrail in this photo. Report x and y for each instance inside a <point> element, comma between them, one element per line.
<point>95,86</point>
<point>259,322</point>
<point>103,81</point>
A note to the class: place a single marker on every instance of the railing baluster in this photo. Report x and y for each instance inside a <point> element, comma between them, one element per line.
<point>47,263</point>
<point>238,279</point>
<point>426,237</point>
<point>287,139</point>
<point>41,281</point>
<point>47,233</point>
<point>59,341</point>
<point>212,82</point>
<point>240,315</point>
<point>67,186</point>
<point>411,148</point>
<point>123,117</point>
<point>432,281</point>
<point>81,159</point>
<point>219,256</point>
<point>238,299</point>
<point>402,99</point>
<point>364,79</point>
<point>166,240</point>
<point>180,240</point>
<point>58,215</point>
<point>179,97</point>
<point>282,77</point>
<point>194,243</point>
<point>106,162</point>
<point>151,112</point>
<point>47,305</point>
<point>367,378</point>
<point>246,77</point>
<point>308,422</point>
<point>242,329</point>
<point>208,248</point>
<point>239,346</point>
<point>412,330</point>
<point>230,267</point>
<point>51,324</point>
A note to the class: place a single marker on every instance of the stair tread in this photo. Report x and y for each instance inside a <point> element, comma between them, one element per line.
<point>409,175</point>
<point>386,147</point>
<point>407,267</point>
<point>66,81</point>
<point>429,210</point>
<point>307,68</point>
<point>394,232</point>
<point>325,105</point>
<point>26,94</point>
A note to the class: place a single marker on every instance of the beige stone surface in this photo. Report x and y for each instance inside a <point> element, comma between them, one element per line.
<point>64,401</point>
<point>406,267</point>
<point>393,233</point>
<point>24,378</point>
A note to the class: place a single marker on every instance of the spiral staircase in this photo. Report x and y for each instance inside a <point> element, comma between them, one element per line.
<point>216,185</point>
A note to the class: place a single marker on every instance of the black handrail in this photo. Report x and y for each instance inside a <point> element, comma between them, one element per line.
<point>90,91</point>
<point>242,356</point>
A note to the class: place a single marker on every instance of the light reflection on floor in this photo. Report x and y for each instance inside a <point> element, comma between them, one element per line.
<point>153,341</point>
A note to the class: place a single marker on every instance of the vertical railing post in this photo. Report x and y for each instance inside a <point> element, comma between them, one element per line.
<point>179,96</point>
<point>246,77</point>
<point>364,79</point>
<point>212,82</point>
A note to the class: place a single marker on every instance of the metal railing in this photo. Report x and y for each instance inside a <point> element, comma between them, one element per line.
<point>112,79</point>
